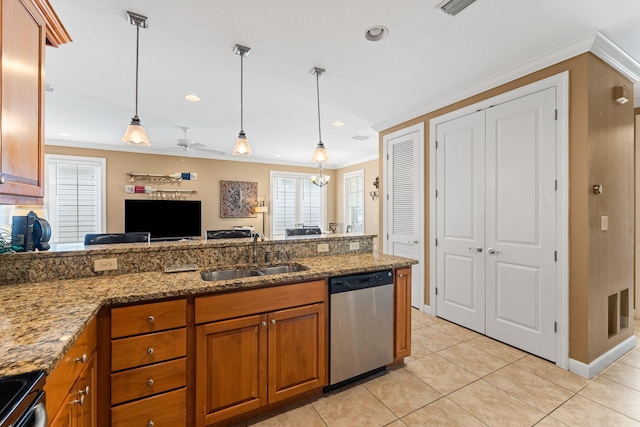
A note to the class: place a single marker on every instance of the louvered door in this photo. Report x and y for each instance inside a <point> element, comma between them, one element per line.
<point>403,207</point>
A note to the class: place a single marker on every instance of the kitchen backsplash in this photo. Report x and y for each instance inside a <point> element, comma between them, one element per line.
<point>137,258</point>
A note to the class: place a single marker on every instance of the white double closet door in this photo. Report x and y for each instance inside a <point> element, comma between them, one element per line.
<point>495,216</point>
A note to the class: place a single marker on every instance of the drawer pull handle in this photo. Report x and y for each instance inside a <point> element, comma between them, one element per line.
<point>84,392</point>
<point>1,179</point>
<point>151,319</point>
<point>264,323</point>
<point>81,359</point>
<point>150,350</point>
<point>79,401</point>
<point>273,321</point>
<point>150,423</point>
<point>150,382</point>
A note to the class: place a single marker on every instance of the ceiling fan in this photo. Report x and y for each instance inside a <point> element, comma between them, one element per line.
<point>190,146</point>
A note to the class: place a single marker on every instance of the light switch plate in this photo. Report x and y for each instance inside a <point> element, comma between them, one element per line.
<point>604,223</point>
<point>323,247</point>
<point>105,264</point>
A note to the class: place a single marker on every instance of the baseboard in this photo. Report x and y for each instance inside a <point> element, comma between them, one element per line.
<point>429,310</point>
<point>595,367</point>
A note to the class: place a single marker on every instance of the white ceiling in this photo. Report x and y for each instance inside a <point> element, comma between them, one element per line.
<point>428,57</point>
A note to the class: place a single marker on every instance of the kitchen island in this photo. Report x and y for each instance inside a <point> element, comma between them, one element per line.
<point>40,321</point>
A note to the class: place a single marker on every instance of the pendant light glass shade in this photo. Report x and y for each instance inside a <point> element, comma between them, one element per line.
<point>135,133</point>
<point>320,154</point>
<point>242,147</point>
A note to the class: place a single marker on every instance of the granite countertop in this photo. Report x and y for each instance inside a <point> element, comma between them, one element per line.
<point>39,322</point>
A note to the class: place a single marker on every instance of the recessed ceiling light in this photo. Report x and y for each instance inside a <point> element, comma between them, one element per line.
<point>376,33</point>
<point>277,155</point>
<point>338,124</point>
<point>192,97</point>
<point>65,134</point>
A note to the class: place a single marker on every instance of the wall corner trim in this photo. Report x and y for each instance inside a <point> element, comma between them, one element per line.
<point>595,367</point>
<point>613,55</point>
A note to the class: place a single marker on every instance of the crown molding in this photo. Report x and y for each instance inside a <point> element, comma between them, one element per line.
<point>613,55</point>
<point>596,43</point>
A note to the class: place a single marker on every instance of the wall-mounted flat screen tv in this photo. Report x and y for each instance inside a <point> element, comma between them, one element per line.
<point>164,219</point>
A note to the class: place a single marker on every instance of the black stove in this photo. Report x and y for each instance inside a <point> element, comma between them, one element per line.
<point>22,400</point>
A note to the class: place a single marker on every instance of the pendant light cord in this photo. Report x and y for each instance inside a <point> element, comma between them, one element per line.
<point>137,60</point>
<point>318,93</point>
<point>241,94</point>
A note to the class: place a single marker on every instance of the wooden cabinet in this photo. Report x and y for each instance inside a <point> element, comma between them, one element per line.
<point>148,370</point>
<point>71,388</point>
<point>26,27</point>
<point>80,407</point>
<point>402,309</point>
<point>258,347</point>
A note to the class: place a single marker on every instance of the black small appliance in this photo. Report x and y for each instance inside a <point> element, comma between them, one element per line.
<point>29,232</point>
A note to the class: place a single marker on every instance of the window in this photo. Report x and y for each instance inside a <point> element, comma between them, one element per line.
<point>295,200</point>
<point>75,196</point>
<point>354,201</point>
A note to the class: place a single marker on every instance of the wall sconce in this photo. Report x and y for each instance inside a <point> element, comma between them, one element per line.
<point>620,95</point>
<point>375,193</point>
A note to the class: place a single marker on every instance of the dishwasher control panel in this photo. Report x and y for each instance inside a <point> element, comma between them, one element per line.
<point>360,281</point>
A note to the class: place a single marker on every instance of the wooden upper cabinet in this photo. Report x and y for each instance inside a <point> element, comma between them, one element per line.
<point>25,28</point>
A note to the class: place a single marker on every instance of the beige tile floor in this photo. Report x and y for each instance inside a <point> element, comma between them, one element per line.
<point>456,377</point>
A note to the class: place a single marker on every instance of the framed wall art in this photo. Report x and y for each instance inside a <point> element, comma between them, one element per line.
<point>237,199</point>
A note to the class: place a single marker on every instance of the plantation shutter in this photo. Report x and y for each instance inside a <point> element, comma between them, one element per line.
<point>295,200</point>
<point>74,197</point>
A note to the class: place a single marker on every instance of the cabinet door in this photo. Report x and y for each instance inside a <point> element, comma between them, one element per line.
<point>231,361</point>
<point>65,416</point>
<point>87,407</point>
<point>402,321</point>
<point>297,353</point>
<point>22,104</point>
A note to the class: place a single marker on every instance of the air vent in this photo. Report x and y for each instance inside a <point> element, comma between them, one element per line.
<point>360,137</point>
<point>453,7</point>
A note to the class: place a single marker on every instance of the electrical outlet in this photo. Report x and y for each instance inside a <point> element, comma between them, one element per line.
<point>105,264</point>
<point>323,247</point>
<point>604,223</point>
<point>354,246</point>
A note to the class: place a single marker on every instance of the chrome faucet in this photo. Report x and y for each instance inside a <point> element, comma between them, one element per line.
<point>255,245</point>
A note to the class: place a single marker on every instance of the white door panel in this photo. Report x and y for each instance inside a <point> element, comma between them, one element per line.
<point>460,221</point>
<point>495,222</point>
<point>404,205</point>
<point>521,211</point>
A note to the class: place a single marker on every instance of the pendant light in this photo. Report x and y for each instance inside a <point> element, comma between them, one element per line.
<point>320,155</point>
<point>135,134</point>
<point>242,147</point>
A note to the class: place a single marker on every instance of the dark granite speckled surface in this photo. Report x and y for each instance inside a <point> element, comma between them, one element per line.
<point>40,321</point>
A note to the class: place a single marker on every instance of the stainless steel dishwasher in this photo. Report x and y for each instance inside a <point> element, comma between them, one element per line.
<point>361,331</point>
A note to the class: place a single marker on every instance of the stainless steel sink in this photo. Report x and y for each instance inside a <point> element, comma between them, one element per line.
<point>279,269</point>
<point>238,273</point>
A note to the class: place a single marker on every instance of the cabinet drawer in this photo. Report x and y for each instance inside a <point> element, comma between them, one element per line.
<point>145,318</point>
<point>242,303</point>
<point>148,380</point>
<point>147,349</point>
<point>63,376</point>
<point>168,409</point>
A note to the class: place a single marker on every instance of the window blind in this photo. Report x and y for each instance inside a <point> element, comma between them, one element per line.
<point>74,197</point>
<point>295,200</point>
